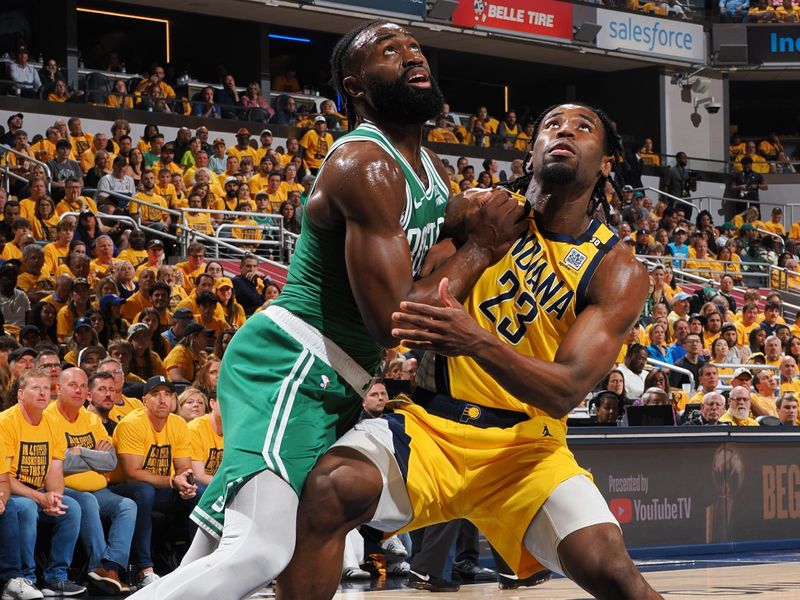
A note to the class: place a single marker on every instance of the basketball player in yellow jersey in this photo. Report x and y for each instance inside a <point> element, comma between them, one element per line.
<point>485,438</point>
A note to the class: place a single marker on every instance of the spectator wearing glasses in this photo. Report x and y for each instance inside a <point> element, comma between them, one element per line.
<point>738,413</point>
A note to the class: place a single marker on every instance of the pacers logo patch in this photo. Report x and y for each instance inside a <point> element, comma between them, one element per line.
<point>574,259</point>
<point>470,413</point>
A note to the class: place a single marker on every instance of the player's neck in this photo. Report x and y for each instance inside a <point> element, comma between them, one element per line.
<point>406,138</point>
<point>562,213</point>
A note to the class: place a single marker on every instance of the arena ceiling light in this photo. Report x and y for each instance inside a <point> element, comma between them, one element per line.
<point>109,13</point>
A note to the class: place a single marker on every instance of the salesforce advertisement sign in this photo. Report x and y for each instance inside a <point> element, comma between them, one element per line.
<point>651,35</point>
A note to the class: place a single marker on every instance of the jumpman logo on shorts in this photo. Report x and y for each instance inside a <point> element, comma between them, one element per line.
<point>546,432</point>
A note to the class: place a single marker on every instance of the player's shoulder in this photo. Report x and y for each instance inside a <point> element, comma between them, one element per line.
<point>620,275</point>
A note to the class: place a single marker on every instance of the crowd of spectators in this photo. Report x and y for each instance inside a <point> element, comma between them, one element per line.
<point>701,323</point>
<point>759,11</point>
<point>766,155</point>
<point>248,181</point>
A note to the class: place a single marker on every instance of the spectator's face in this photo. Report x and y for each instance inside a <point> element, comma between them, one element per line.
<point>194,406</point>
<point>637,361</point>
<point>159,402</point>
<point>102,394</point>
<point>772,348</point>
<point>750,147</point>
<point>709,379</point>
<point>118,373</point>
<point>714,323</point>
<point>104,247</point>
<point>608,411</point>
<point>271,292</point>
<point>788,368</point>
<point>208,95</point>
<point>22,364</point>
<point>616,383</point>
<point>73,388</point>
<point>248,265</point>
<point>37,189</point>
<point>148,180</point>
<point>205,284</point>
<point>167,156</point>
<point>712,408</point>
<point>787,413</point>
<point>693,345</point>
<point>52,365</point>
<point>34,262</point>
<point>771,315</point>
<point>766,383</point>
<point>160,299</point>
<point>35,396</point>
<point>739,403</point>
<point>730,337</point>
<point>375,400</point>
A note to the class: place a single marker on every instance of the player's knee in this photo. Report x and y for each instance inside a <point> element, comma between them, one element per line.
<point>339,491</point>
<point>606,571</point>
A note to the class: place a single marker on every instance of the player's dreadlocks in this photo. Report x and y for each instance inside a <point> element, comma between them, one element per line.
<point>343,53</point>
<point>614,149</point>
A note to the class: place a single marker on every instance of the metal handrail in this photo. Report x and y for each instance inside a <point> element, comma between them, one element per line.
<point>671,367</point>
<point>668,195</point>
<point>101,215</point>
<point>49,175</point>
<point>229,246</point>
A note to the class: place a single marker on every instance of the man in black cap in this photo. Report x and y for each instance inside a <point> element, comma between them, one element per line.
<point>20,360</point>
<point>14,303</point>
<point>151,445</point>
<point>14,123</point>
<point>180,319</point>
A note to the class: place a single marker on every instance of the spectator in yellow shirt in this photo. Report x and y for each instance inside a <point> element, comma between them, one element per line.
<point>289,183</point>
<point>760,165</point>
<point>45,220</point>
<point>201,219</point>
<point>770,147</point>
<point>788,12</point>
<point>775,224</point>
<point>45,149</point>
<point>245,228</point>
<point>242,147</point>
<point>441,133</point>
<point>86,158</point>
<point>316,143</point>
<point>73,200</point>
<point>164,187</point>
<point>185,359</point>
<point>55,253</point>
<point>150,215</point>
<point>523,142</point>
<point>80,140</point>
<point>156,78</point>
<point>648,154</point>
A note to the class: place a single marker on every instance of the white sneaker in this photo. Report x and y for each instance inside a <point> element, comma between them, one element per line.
<point>398,568</point>
<point>355,573</point>
<point>147,578</point>
<point>394,546</point>
<point>20,589</point>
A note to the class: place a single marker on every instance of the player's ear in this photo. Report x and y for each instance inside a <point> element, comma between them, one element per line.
<point>352,85</point>
<point>605,165</point>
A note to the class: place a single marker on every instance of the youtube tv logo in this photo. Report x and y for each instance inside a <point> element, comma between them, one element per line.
<point>622,509</point>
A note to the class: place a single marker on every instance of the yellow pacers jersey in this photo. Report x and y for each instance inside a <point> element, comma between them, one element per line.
<point>529,299</point>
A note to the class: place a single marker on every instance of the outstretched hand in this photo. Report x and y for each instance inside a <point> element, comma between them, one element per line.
<point>447,330</point>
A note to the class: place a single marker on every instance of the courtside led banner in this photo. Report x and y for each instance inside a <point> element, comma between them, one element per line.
<point>542,18</point>
<point>651,35</point>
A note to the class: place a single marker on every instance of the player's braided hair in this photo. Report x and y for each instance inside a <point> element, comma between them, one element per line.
<point>614,149</point>
<point>343,53</point>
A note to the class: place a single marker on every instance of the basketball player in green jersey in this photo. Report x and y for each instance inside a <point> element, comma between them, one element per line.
<point>293,376</point>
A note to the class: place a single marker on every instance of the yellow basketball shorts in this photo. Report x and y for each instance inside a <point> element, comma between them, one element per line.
<point>436,469</point>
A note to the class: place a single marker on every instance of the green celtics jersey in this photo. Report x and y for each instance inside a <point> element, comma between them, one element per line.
<point>318,287</point>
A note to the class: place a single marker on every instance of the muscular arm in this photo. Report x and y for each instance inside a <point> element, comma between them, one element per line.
<point>362,188</point>
<point>585,354</point>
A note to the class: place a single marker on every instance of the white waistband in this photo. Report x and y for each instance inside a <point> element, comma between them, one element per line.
<point>321,347</point>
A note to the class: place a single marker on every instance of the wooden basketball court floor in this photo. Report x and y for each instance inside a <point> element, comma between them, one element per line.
<point>767,580</point>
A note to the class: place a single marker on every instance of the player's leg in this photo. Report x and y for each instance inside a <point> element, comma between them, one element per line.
<point>575,534</point>
<point>340,493</point>
<point>254,547</point>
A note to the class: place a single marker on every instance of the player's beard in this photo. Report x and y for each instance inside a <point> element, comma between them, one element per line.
<point>740,413</point>
<point>402,103</point>
<point>557,173</point>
